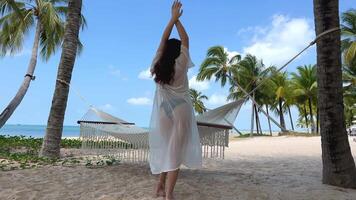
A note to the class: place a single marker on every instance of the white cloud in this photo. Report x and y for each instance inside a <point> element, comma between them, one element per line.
<point>231,54</point>
<point>198,85</point>
<point>145,74</point>
<point>280,41</point>
<point>107,107</point>
<point>139,101</point>
<point>216,100</point>
<point>114,71</point>
<point>22,52</point>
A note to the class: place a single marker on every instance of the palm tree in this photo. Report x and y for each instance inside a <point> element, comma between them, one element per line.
<point>250,72</point>
<point>350,110</point>
<point>17,19</point>
<point>218,63</point>
<point>267,99</point>
<point>52,139</point>
<point>197,98</point>
<point>281,88</point>
<point>348,31</point>
<point>338,163</point>
<point>304,85</point>
<point>349,79</point>
<point>301,103</point>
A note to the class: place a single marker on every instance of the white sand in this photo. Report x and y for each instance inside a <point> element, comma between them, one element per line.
<point>258,168</point>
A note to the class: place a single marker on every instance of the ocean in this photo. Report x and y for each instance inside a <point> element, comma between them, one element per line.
<point>36,131</point>
<point>39,131</point>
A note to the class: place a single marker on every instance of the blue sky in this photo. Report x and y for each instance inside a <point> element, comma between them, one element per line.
<point>122,37</point>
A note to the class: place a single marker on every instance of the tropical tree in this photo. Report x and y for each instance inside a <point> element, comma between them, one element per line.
<point>267,99</point>
<point>348,31</point>
<point>250,72</point>
<point>301,103</point>
<point>350,110</point>
<point>281,88</point>
<point>349,80</point>
<point>348,46</point>
<point>304,86</point>
<point>17,19</point>
<point>52,139</point>
<point>197,100</point>
<point>338,163</point>
<point>219,64</point>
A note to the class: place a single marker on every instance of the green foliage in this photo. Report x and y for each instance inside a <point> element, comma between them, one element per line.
<point>18,17</point>
<point>197,98</point>
<point>25,149</point>
<point>32,144</point>
<point>348,31</point>
<point>20,152</point>
<point>249,73</point>
<point>348,47</point>
<point>218,64</point>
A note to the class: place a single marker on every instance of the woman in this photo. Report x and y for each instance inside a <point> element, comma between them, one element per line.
<point>174,138</point>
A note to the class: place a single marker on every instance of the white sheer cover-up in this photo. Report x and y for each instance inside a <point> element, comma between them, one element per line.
<point>174,137</point>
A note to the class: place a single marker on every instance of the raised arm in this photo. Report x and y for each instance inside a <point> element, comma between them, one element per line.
<point>182,33</point>
<point>176,13</point>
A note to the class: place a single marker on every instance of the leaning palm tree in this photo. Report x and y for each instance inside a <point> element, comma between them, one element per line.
<point>17,19</point>
<point>217,63</point>
<point>197,100</point>
<point>338,163</point>
<point>52,139</point>
<point>304,85</point>
<point>348,31</point>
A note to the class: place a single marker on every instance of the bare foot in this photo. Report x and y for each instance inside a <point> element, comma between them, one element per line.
<point>160,192</point>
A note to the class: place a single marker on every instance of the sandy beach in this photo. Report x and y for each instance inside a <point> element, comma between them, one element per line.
<point>254,168</point>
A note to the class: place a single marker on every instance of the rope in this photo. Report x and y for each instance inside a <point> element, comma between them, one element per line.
<point>248,94</point>
<point>287,63</point>
<point>76,91</point>
<point>32,77</point>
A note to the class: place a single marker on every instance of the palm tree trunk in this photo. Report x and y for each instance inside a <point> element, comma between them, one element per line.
<point>256,118</point>
<point>306,115</point>
<point>52,139</point>
<point>11,107</point>
<point>281,117</point>
<point>338,163</point>
<point>290,117</point>
<point>252,115</point>
<point>312,125</point>
<point>269,122</point>
<point>317,120</point>
<point>259,123</point>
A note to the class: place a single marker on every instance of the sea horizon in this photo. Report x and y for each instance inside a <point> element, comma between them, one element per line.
<point>38,131</point>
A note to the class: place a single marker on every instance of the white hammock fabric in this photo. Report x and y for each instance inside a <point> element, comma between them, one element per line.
<point>106,134</point>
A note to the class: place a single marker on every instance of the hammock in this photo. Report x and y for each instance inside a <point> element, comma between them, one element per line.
<point>105,134</point>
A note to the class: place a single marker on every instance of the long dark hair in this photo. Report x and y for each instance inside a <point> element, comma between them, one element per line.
<point>164,68</point>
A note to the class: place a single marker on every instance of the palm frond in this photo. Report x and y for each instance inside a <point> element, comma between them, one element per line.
<point>350,53</point>
<point>13,29</point>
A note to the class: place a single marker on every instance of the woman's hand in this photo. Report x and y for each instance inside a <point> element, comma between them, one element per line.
<point>176,10</point>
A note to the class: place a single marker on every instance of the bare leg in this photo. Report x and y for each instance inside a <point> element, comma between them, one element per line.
<point>171,182</point>
<point>160,188</point>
